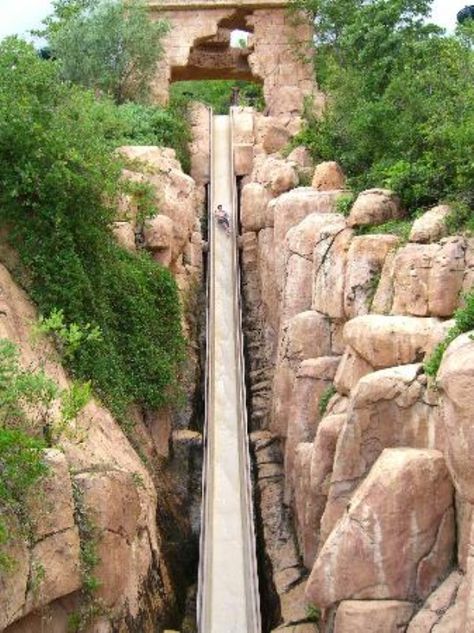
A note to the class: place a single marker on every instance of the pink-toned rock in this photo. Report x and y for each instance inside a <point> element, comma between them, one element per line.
<point>329,265</point>
<point>158,232</point>
<point>427,279</point>
<point>275,138</point>
<point>312,378</point>
<point>365,259</point>
<point>266,269</point>
<point>243,159</point>
<point>310,500</point>
<point>375,206</point>
<point>455,378</point>
<point>199,149</point>
<point>254,200</point>
<point>440,613</point>
<point>301,156</point>
<point>243,126</point>
<point>431,226</point>
<point>328,176</point>
<point>276,174</point>
<point>387,409</point>
<point>305,336</point>
<point>124,233</point>
<point>55,569</point>
<point>386,341</point>
<point>298,250</point>
<point>378,548</point>
<point>367,616</point>
<point>468,281</point>
<point>51,506</point>
<point>383,297</point>
<point>14,582</point>
<point>350,370</point>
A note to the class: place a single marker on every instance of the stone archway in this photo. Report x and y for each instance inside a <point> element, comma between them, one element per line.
<point>199,47</point>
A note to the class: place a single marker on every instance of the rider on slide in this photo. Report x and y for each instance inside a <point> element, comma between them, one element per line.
<point>223,219</point>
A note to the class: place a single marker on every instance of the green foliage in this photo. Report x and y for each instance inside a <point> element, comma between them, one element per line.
<point>464,322</point>
<point>217,93</point>
<point>400,111</point>
<point>111,46</point>
<point>401,228</point>
<point>313,613</point>
<point>326,396</point>
<point>60,182</point>
<point>461,219</point>
<point>68,337</point>
<point>344,203</point>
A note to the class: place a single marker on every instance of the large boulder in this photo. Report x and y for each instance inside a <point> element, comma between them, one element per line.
<point>254,200</point>
<point>373,616</point>
<point>427,279</point>
<point>365,259</point>
<point>431,226</point>
<point>390,546</point>
<point>375,206</point>
<point>275,174</point>
<point>328,176</point>
<point>388,408</point>
<point>455,379</point>
<point>158,234</point>
<point>386,341</point>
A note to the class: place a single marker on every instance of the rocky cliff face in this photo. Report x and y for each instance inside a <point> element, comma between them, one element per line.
<point>114,529</point>
<point>374,474</point>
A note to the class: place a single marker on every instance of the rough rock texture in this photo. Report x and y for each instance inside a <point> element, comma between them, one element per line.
<point>375,206</point>
<point>395,546</point>
<point>328,176</point>
<point>440,613</point>
<point>356,616</point>
<point>169,234</point>
<point>431,226</point>
<point>203,50</point>
<point>455,378</point>
<point>386,341</point>
<point>388,408</point>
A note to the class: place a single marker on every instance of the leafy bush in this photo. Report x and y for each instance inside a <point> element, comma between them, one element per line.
<point>110,45</point>
<point>400,111</point>
<point>217,93</point>
<point>59,188</point>
<point>326,396</point>
<point>464,322</point>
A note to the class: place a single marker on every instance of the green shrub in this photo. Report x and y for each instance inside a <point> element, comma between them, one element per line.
<point>217,93</point>
<point>400,112</point>
<point>401,228</point>
<point>464,322</point>
<point>344,203</point>
<point>461,219</point>
<point>60,182</point>
<point>326,396</point>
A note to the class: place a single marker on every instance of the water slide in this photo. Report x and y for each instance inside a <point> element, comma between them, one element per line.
<point>228,598</point>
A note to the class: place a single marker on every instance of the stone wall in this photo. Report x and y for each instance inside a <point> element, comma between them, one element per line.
<point>376,482</point>
<point>199,47</point>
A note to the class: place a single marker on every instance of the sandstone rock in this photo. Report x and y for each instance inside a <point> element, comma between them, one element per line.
<point>427,279</point>
<point>276,175</point>
<point>350,370</point>
<point>328,176</point>
<point>199,149</point>
<point>387,616</point>
<point>431,226</point>
<point>386,341</point>
<point>455,379</point>
<point>383,297</point>
<point>329,264</point>
<point>254,201</point>
<point>266,269</point>
<point>14,582</point>
<point>386,410</point>
<point>365,260</point>
<point>376,550</point>
<point>276,137</point>
<point>243,126</point>
<point>375,206</point>
<point>301,156</point>
<point>243,159</point>
<point>124,233</point>
<point>51,505</point>
<point>311,500</point>
<point>439,608</point>
<point>305,336</point>
<point>308,627</point>
<point>55,568</point>
<point>158,232</point>
<point>312,378</point>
